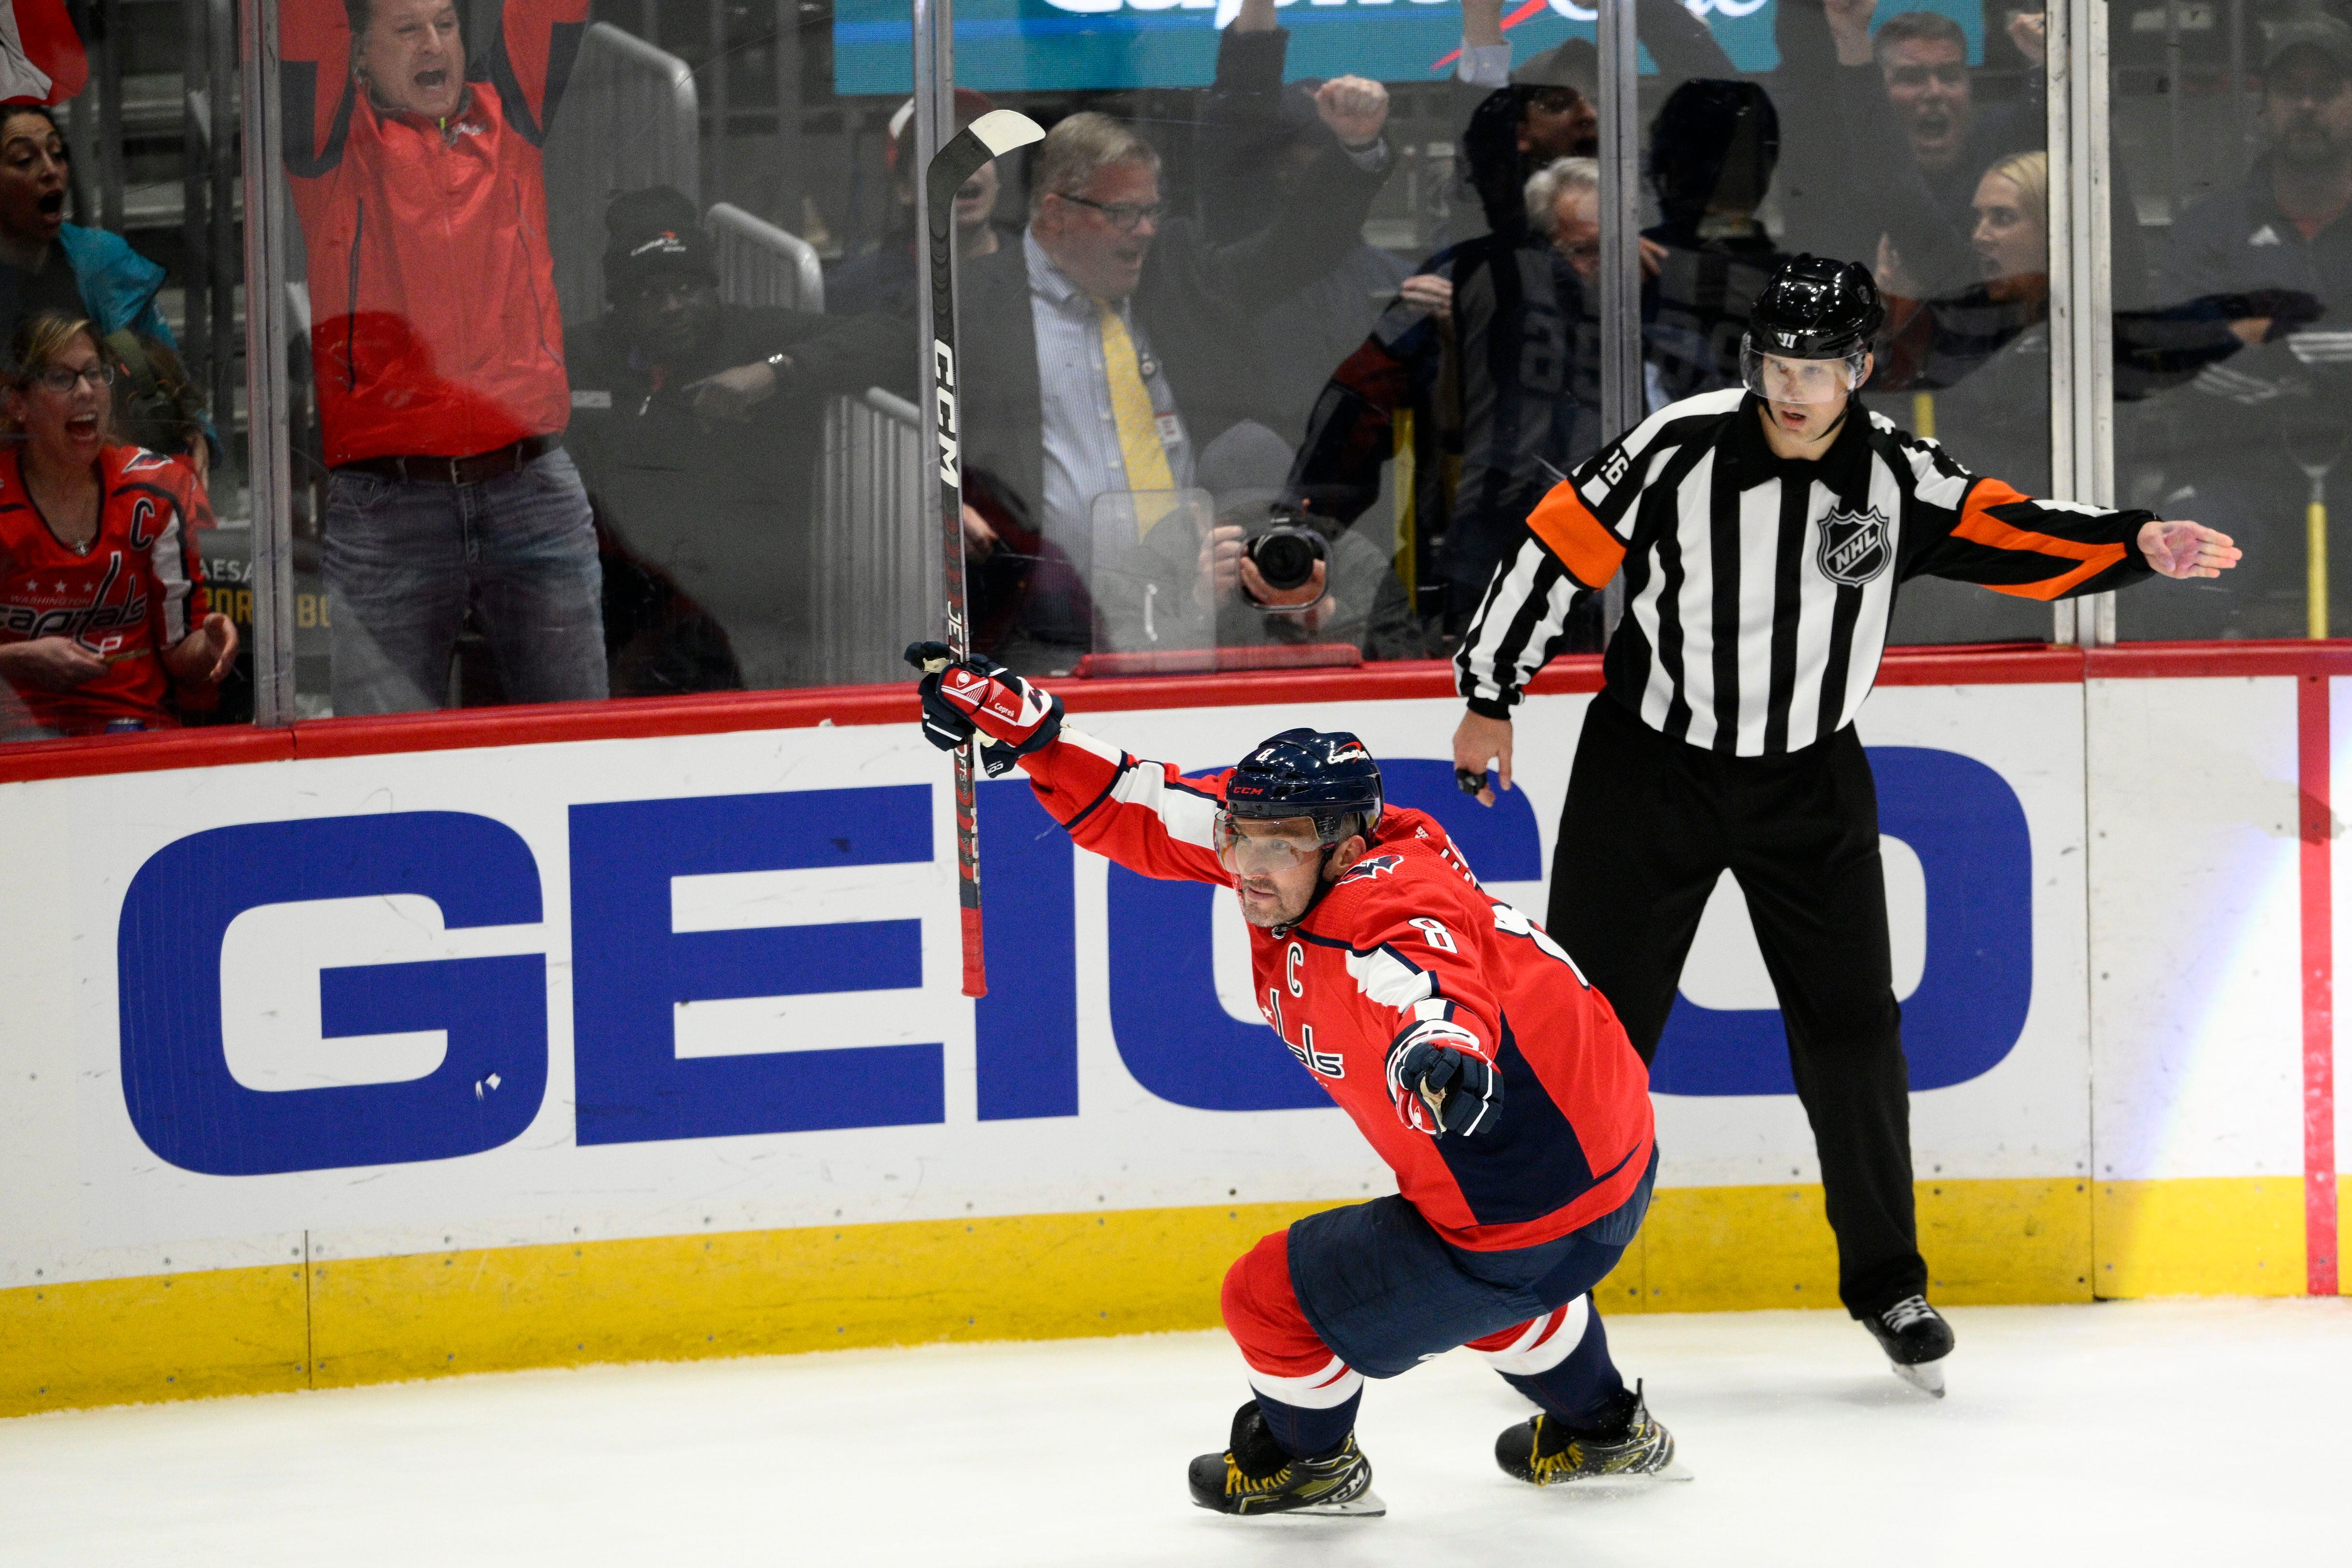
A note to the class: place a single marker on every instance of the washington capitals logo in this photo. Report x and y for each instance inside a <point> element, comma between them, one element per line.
<point>1365,870</point>
<point>1856,546</point>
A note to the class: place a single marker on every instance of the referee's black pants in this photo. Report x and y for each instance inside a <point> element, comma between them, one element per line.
<point>1650,825</point>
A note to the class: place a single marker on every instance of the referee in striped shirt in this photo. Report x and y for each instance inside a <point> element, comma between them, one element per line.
<point>1762,534</point>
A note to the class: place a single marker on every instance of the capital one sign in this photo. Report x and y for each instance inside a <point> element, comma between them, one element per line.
<point>1226,10</point>
<point>1111,44</point>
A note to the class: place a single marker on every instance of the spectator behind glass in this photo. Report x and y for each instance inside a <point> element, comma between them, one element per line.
<point>2277,247</point>
<point>1888,133</point>
<point>1107,349</point>
<point>1477,347</point>
<point>1986,352</point>
<point>1558,91</point>
<point>437,347</point>
<point>157,406</point>
<point>1352,596</point>
<point>889,278</point>
<point>103,604</point>
<point>1564,198</point>
<point>700,426</point>
<point>1990,343</point>
<point>1259,136</point>
<point>1502,332</point>
<point>1714,150</point>
<point>82,274</point>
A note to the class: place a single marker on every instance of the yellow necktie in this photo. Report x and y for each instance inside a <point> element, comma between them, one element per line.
<point>1139,426</point>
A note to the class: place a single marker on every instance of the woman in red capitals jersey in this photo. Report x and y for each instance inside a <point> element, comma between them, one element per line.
<point>102,605</point>
<point>1497,1085</point>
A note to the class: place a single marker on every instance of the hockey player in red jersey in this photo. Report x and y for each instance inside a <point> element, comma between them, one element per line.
<point>1496,1084</point>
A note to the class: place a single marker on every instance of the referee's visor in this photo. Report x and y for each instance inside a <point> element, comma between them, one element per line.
<point>1785,378</point>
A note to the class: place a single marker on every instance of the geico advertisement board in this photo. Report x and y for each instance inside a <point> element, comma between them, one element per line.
<point>652,986</point>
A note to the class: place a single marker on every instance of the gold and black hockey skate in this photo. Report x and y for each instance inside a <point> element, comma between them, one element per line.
<point>1254,1477</point>
<point>1545,1453</point>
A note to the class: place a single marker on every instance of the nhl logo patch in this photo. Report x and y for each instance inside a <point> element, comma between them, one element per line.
<point>1855,546</point>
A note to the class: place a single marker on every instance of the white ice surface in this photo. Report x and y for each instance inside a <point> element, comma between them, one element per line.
<point>2197,1432</point>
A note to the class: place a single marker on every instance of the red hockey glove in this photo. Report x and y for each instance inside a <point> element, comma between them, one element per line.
<point>1438,1084</point>
<point>1013,717</point>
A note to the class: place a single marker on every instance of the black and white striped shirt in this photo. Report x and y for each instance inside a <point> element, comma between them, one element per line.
<point>1758,588</point>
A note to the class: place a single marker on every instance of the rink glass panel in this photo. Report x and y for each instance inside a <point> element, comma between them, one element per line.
<point>150,140</point>
<point>2248,437</point>
<point>755,525</point>
<point>749,540</point>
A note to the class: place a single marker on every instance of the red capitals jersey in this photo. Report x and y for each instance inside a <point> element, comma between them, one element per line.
<point>1406,935</point>
<point>436,331</point>
<point>129,598</point>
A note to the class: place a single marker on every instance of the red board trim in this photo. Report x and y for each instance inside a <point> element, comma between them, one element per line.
<point>2217,661</point>
<point>2313,750</point>
<point>1993,664</point>
<point>140,753</point>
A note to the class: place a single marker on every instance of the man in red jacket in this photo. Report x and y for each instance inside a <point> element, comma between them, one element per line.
<point>438,348</point>
<point>1496,1084</point>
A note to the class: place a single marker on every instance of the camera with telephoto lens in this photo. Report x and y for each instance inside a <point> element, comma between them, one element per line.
<point>1286,551</point>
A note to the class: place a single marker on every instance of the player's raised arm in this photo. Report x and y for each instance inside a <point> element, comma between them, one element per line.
<point>1144,815</point>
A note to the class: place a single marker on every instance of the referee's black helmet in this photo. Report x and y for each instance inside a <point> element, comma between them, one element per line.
<point>1814,308</point>
<point>1328,775</point>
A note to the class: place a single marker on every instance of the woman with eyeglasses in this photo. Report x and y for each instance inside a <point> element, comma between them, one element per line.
<point>103,612</point>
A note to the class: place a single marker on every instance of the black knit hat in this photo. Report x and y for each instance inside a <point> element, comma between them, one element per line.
<point>649,232</point>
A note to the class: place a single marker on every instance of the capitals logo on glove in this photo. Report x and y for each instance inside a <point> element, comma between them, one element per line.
<point>1437,1081</point>
<point>961,695</point>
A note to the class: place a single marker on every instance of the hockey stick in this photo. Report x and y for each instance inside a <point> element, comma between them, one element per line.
<point>992,135</point>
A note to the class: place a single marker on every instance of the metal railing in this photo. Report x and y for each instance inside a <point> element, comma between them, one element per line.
<point>877,557</point>
<point>760,264</point>
<point>212,196</point>
<point>629,119</point>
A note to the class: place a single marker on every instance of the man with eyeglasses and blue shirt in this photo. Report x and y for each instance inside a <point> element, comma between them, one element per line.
<point>1106,351</point>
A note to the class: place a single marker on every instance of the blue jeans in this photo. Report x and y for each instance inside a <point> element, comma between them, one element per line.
<point>404,559</point>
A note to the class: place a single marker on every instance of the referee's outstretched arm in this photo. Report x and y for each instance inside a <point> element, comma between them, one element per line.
<point>1758,587</point>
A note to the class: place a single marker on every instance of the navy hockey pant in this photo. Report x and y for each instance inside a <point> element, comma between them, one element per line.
<point>1371,1290</point>
<point>1651,824</point>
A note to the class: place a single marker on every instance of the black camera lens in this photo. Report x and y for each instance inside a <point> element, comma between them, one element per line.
<point>1285,556</point>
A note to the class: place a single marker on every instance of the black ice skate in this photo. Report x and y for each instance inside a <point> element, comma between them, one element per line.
<point>1917,1340</point>
<point>1545,1453</point>
<point>1254,1477</point>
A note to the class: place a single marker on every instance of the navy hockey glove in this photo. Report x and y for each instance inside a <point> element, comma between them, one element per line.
<point>1012,717</point>
<point>1436,1082</point>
